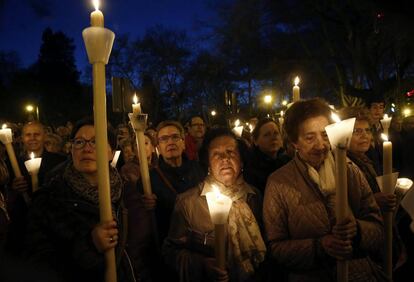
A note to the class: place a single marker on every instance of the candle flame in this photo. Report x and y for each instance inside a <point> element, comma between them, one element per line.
<point>135,99</point>
<point>237,123</point>
<point>384,137</point>
<point>4,126</point>
<point>335,117</point>
<point>216,191</point>
<point>385,116</point>
<point>297,80</point>
<point>251,127</point>
<point>32,156</point>
<point>281,113</point>
<point>96,4</point>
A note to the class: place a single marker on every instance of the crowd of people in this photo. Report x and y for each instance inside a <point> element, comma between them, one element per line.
<point>280,178</point>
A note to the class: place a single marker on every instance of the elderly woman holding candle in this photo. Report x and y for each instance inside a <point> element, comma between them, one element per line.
<point>188,247</point>
<point>64,234</point>
<point>299,206</point>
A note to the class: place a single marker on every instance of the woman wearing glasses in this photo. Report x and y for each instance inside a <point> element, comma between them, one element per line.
<point>65,239</point>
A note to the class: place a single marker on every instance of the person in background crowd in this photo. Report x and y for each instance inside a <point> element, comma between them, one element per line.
<point>4,216</point>
<point>53,143</point>
<point>65,238</point>
<point>194,137</point>
<point>122,133</point>
<point>299,207</point>
<point>33,138</point>
<point>189,247</point>
<point>174,174</point>
<point>139,219</point>
<point>267,153</point>
<point>359,145</point>
<point>376,106</point>
<point>402,147</point>
<point>127,149</point>
<point>63,132</point>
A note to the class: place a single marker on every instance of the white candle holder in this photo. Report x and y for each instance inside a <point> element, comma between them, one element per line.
<point>98,43</point>
<point>6,136</point>
<point>219,206</point>
<point>340,133</point>
<point>138,121</point>
<point>115,158</point>
<point>33,165</point>
<point>387,180</point>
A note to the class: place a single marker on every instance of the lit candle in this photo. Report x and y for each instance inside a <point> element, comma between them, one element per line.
<point>219,207</point>
<point>339,134</point>
<point>386,122</point>
<point>238,129</point>
<point>388,188</point>
<point>136,107</point>
<point>296,90</point>
<point>97,18</point>
<point>32,167</point>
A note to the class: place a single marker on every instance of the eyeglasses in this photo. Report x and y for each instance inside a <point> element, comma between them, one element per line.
<point>198,124</point>
<point>79,143</point>
<point>359,131</point>
<point>165,138</point>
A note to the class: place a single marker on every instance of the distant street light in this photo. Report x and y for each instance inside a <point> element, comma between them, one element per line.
<point>213,113</point>
<point>284,103</point>
<point>32,111</point>
<point>267,99</point>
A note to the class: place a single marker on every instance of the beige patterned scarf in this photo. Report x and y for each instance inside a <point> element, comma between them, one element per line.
<point>246,248</point>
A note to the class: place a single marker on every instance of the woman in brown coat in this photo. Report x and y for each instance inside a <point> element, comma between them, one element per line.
<point>299,207</point>
<point>189,245</point>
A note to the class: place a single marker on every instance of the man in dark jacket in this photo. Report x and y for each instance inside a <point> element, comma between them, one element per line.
<point>175,174</point>
<point>33,137</point>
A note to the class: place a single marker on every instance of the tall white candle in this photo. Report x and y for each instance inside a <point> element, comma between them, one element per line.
<point>296,90</point>
<point>388,216</point>
<point>97,17</point>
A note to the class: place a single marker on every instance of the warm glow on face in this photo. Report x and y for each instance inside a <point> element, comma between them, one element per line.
<point>335,117</point>
<point>267,99</point>
<point>384,137</point>
<point>32,156</point>
<point>237,123</point>
<point>96,4</point>
<point>4,126</point>
<point>297,80</point>
<point>135,99</point>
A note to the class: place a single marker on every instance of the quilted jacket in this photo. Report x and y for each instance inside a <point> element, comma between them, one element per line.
<point>296,217</point>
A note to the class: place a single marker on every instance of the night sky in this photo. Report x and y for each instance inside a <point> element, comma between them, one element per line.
<point>23,21</point>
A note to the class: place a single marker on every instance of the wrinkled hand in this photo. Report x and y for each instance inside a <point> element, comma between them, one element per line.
<point>105,236</point>
<point>20,184</point>
<point>149,201</point>
<point>214,273</point>
<point>386,201</point>
<point>336,247</point>
<point>346,230</point>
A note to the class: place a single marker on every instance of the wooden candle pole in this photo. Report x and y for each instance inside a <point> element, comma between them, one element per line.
<point>388,216</point>
<point>341,203</point>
